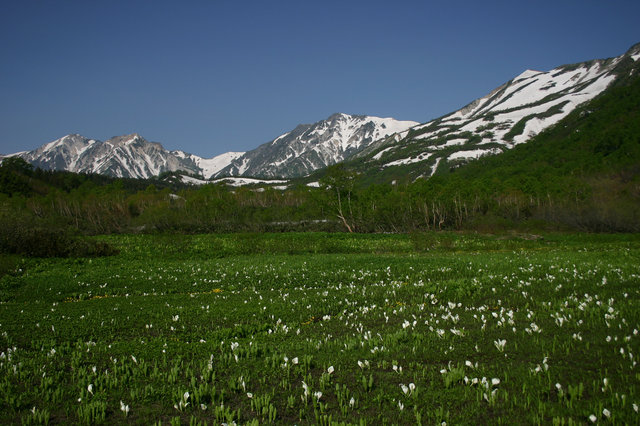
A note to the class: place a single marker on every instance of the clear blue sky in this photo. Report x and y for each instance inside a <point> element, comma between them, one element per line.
<point>209,77</point>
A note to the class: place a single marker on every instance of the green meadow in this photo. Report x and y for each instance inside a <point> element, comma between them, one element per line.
<point>320,328</point>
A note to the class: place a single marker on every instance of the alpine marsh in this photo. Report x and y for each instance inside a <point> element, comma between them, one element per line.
<point>324,329</point>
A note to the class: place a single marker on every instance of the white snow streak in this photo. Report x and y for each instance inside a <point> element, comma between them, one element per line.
<point>238,181</point>
<point>211,166</point>
<point>403,161</point>
<point>435,166</point>
<point>476,153</point>
<point>379,155</point>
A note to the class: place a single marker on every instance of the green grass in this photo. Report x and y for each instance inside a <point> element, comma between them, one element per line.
<point>391,329</point>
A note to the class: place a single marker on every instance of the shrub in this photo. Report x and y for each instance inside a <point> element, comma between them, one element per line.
<point>33,237</point>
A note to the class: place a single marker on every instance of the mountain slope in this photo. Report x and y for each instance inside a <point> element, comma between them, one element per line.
<point>510,115</point>
<point>583,173</point>
<point>310,147</point>
<point>122,156</point>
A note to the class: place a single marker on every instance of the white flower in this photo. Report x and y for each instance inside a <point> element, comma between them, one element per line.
<point>500,344</point>
<point>330,370</point>
<point>182,403</point>
<point>635,407</point>
<point>124,408</point>
<point>203,407</point>
<point>90,388</point>
<point>593,418</point>
<point>405,389</point>
<point>606,413</point>
<point>495,381</point>
<point>412,387</point>
<point>352,402</point>
<point>318,395</point>
<point>249,395</point>
<point>294,361</point>
<point>400,405</point>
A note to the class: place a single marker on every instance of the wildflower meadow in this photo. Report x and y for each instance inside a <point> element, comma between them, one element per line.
<point>326,329</point>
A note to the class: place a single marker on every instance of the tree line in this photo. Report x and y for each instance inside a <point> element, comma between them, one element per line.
<point>342,203</point>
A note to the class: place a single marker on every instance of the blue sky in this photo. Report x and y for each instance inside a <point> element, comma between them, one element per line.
<point>209,77</point>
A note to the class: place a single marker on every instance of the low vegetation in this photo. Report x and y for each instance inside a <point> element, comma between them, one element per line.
<point>326,329</point>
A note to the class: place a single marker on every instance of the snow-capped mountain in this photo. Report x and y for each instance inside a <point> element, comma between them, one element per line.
<point>509,115</point>
<point>121,156</point>
<point>310,147</point>
<point>305,149</point>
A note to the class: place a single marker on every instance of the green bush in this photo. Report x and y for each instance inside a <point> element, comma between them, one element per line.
<point>28,236</point>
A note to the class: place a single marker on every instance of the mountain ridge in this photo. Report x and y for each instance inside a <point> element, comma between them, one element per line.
<point>309,147</point>
<point>508,115</point>
<point>135,157</point>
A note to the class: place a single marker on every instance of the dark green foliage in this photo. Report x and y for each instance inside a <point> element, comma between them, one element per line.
<point>33,237</point>
<point>15,174</point>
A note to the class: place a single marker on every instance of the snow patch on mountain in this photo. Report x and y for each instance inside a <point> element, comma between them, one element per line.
<point>211,166</point>
<point>241,181</point>
<point>403,161</point>
<point>474,153</point>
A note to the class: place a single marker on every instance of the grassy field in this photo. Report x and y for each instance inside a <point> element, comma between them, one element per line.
<point>324,329</point>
